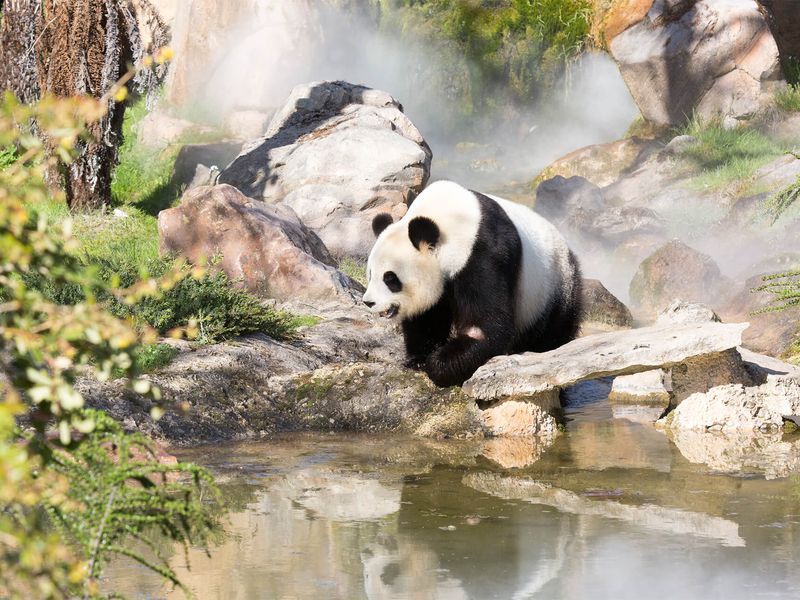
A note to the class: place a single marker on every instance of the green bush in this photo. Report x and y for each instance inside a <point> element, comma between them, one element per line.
<point>520,45</point>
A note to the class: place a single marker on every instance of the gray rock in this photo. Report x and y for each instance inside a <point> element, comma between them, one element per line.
<point>679,144</point>
<point>247,124</point>
<point>337,154</point>
<point>515,418</point>
<point>602,309</point>
<point>558,197</point>
<point>193,157</point>
<point>159,130</point>
<point>679,312</point>
<point>649,387</point>
<point>675,271</point>
<point>614,353</point>
<point>263,247</point>
<point>705,57</point>
<point>739,452</point>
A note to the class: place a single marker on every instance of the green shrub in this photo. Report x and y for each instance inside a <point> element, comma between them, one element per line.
<point>7,156</point>
<point>220,309</point>
<point>780,202</point>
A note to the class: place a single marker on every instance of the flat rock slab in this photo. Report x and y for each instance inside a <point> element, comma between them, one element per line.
<point>602,355</point>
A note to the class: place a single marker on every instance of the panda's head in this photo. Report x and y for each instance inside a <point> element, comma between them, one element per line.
<point>404,275</point>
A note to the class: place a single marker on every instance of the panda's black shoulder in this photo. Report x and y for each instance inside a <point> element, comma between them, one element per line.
<point>496,228</point>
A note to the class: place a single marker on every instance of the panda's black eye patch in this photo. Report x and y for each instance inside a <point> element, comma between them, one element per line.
<point>392,281</point>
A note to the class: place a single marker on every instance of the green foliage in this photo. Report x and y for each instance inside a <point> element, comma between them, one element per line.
<point>521,45</point>
<point>120,491</point>
<point>220,309</point>
<point>780,202</point>
<point>7,156</point>
<point>722,156</point>
<point>785,289</point>
<point>789,98</point>
<point>49,335</point>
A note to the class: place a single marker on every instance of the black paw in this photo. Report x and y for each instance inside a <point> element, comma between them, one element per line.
<point>415,363</point>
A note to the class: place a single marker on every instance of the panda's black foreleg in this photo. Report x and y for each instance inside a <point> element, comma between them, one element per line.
<point>457,360</point>
<point>424,333</point>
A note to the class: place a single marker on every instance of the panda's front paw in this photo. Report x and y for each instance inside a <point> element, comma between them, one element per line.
<point>415,363</point>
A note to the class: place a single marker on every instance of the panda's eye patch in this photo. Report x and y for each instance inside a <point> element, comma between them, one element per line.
<point>392,282</point>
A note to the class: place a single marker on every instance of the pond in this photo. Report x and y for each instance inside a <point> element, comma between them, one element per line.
<point>610,509</point>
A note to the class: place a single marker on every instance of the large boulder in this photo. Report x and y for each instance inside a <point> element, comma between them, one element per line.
<point>337,154</point>
<point>265,248</point>
<point>709,57</point>
<point>675,271</point>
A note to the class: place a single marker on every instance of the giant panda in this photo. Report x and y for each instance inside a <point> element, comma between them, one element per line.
<point>471,276</point>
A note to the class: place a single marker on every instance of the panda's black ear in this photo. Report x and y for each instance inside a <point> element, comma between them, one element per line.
<point>381,222</point>
<point>423,230</point>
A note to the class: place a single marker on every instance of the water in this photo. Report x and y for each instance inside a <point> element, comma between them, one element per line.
<point>611,509</point>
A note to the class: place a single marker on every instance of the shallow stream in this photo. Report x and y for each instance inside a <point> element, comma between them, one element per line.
<point>611,509</point>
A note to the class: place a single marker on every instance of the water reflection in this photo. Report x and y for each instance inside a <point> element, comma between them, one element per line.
<point>611,508</point>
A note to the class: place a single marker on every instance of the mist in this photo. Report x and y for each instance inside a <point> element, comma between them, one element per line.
<point>283,44</point>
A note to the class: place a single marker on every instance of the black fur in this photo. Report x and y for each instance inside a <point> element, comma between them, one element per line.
<point>381,222</point>
<point>422,229</point>
<point>482,295</point>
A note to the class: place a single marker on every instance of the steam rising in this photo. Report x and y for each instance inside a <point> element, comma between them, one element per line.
<point>282,44</point>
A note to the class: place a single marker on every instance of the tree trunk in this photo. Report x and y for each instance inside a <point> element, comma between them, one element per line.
<point>71,48</point>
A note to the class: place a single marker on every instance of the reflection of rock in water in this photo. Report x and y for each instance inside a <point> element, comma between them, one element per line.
<point>599,445</point>
<point>740,452</point>
<point>401,568</point>
<point>516,452</point>
<point>340,496</point>
<point>658,518</point>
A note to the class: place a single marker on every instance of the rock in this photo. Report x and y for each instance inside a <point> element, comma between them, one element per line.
<point>761,366</point>
<point>612,18</point>
<point>680,312</point>
<point>738,452</point>
<point>514,418</point>
<point>675,271</point>
<point>215,43</point>
<point>647,516</point>
<point>191,156</point>
<point>784,21</point>
<point>556,198</point>
<point>679,144</point>
<point>601,308</point>
<point>159,130</point>
<point>337,154</point>
<point>516,452</point>
<point>770,333</point>
<point>710,58</point>
<point>247,124</point>
<point>648,387</point>
<point>579,206</point>
<point>778,173</point>
<point>614,353</point>
<point>725,408</point>
<point>701,373</point>
<point>265,248</point>
<point>601,164</point>
<point>786,128</point>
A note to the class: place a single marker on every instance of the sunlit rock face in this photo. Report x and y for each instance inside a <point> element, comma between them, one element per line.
<point>337,154</point>
<point>715,58</point>
<point>265,247</point>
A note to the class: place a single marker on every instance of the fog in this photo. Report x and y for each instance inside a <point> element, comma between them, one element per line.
<point>282,44</point>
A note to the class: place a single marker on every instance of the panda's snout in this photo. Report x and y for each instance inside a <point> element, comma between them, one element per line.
<point>369,304</point>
